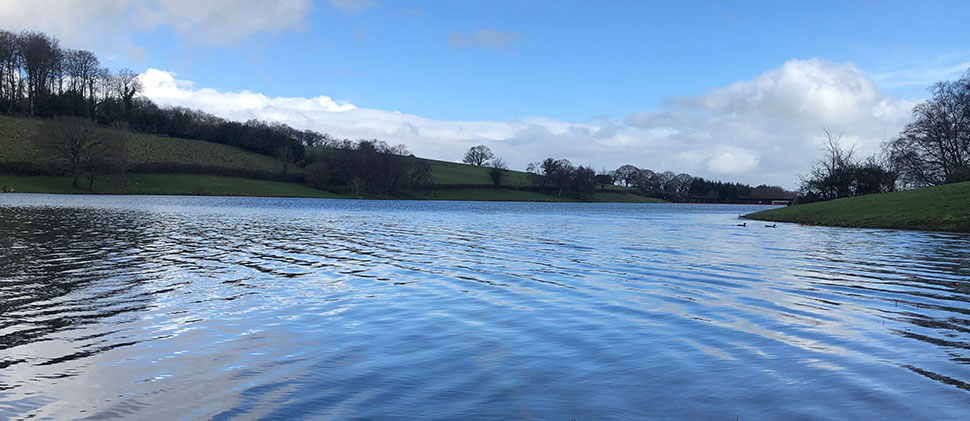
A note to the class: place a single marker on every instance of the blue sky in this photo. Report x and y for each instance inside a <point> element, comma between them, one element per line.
<point>724,90</point>
<point>566,60</point>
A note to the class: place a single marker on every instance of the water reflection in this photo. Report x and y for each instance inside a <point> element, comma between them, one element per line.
<point>165,307</point>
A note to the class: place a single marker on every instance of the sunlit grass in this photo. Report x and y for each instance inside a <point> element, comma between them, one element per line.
<point>17,144</point>
<point>455,173</point>
<point>940,208</point>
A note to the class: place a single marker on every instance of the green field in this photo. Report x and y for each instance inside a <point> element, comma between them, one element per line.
<point>454,173</point>
<point>940,208</point>
<point>451,173</point>
<point>18,144</point>
<point>176,184</point>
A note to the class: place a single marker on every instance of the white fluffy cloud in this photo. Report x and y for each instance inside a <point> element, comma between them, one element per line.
<point>769,126</point>
<point>98,23</point>
<point>760,130</point>
<point>162,87</point>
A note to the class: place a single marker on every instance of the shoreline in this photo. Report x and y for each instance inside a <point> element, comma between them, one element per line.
<point>210,185</point>
<point>944,208</point>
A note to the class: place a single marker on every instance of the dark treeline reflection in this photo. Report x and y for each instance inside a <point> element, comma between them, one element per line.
<point>51,254</point>
<point>174,307</point>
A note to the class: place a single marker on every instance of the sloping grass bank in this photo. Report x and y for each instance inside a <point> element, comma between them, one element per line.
<point>18,144</point>
<point>940,208</point>
<point>455,173</point>
<point>151,154</point>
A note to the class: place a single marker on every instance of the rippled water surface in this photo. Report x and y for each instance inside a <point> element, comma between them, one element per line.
<point>188,307</point>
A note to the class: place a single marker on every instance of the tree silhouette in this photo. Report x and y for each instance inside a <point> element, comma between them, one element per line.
<point>478,155</point>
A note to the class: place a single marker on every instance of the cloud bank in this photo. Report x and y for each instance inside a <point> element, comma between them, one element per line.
<point>94,23</point>
<point>761,130</point>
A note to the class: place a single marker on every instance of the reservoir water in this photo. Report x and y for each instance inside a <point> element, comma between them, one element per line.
<point>197,308</point>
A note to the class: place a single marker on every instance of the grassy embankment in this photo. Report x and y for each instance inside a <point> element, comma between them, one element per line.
<point>17,145</point>
<point>940,208</point>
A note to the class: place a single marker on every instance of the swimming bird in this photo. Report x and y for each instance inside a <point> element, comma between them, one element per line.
<point>771,226</point>
<point>743,224</point>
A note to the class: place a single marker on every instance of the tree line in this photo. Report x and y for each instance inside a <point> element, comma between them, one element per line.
<point>562,177</point>
<point>40,78</point>
<point>932,149</point>
<point>366,167</point>
<point>686,187</point>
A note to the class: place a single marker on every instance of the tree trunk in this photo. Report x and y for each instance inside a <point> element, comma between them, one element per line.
<point>74,171</point>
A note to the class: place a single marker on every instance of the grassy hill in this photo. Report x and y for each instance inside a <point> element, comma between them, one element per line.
<point>940,208</point>
<point>453,173</point>
<point>17,144</point>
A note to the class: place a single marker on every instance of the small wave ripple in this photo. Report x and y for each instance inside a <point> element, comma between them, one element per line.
<point>224,308</point>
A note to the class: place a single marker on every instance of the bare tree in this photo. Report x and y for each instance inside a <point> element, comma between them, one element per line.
<point>108,158</point>
<point>126,86</point>
<point>40,54</point>
<point>76,142</point>
<point>831,176</point>
<point>81,68</point>
<point>10,80</point>
<point>478,155</point>
<point>935,148</point>
<point>626,174</point>
<point>103,85</point>
<point>680,183</point>
<point>646,180</point>
<point>665,181</point>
